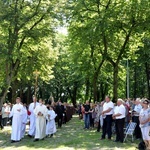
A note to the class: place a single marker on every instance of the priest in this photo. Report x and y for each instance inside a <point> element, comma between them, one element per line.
<point>32,117</point>
<point>16,113</point>
<point>40,112</point>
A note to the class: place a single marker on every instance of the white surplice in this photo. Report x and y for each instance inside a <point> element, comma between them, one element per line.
<point>24,121</point>
<point>51,126</point>
<point>32,118</point>
<point>16,113</point>
<point>40,132</point>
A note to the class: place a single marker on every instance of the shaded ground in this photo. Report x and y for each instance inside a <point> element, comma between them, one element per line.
<point>72,136</point>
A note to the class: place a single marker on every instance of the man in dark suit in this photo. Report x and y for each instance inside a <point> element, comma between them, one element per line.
<point>59,111</point>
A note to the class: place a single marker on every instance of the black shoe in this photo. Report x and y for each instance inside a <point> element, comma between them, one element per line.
<point>29,135</point>
<point>51,135</point>
<point>35,140</point>
<point>102,138</point>
<point>12,141</point>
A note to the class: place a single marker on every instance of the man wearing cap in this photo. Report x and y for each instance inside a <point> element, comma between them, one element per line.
<point>144,118</point>
<point>135,118</point>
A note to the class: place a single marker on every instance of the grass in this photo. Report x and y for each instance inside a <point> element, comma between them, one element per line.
<point>71,136</point>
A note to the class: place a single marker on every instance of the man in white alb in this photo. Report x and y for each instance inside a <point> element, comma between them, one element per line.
<point>32,117</point>
<point>119,116</point>
<point>41,112</point>
<point>107,115</point>
<point>16,113</point>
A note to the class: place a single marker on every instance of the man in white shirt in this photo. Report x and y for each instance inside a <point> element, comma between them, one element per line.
<point>135,117</point>
<point>119,116</point>
<point>32,117</point>
<point>5,114</point>
<point>107,115</point>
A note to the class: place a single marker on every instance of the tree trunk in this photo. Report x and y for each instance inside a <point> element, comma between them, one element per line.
<point>95,86</point>
<point>4,92</point>
<point>87,90</point>
<point>147,69</point>
<point>135,83</point>
<point>115,83</point>
<point>73,94</point>
<point>95,79</point>
<point>74,97</point>
<point>103,90</point>
<point>29,95</point>
<point>2,98</point>
<point>14,88</point>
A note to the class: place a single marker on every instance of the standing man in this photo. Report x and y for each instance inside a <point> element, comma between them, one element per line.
<point>87,115</point>
<point>107,115</point>
<point>59,112</point>
<point>135,118</point>
<point>119,116</point>
<point>41,112</point>
<point>32,117</point>
<point>16,113</point>
<point>5,113</point>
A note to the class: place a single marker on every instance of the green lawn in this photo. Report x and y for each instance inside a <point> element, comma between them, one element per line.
<point>72,136</point>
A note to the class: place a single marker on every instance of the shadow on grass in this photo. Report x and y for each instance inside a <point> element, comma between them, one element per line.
<point>71,136</point>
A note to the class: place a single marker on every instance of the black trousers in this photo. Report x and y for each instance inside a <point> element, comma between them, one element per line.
<point>120,129</point>
<point>137,132</point>
<point>98,127</point>
<point>60,121</point>
<point>1,123</point>
<point>107,127</point>
<point>5,121</point>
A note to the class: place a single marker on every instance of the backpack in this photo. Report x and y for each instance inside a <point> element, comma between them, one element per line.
<point>141,146</point>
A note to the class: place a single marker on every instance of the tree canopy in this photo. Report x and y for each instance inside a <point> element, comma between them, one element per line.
<point>88,62</point>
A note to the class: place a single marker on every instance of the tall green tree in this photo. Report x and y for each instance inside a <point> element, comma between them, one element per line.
<point>24,27</point>
<point>109,29</point>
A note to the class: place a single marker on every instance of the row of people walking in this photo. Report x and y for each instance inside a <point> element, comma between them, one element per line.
<point>38,116</point>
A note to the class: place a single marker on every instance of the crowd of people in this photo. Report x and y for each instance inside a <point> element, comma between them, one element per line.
<point>40,117</point>
<point>114,117</point>
<point>106,116</point>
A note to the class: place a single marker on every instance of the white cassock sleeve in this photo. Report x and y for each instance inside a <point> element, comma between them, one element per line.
<point>35,111</point>
<point>24,116</point>
<point>52,115</point>
<point>11,112</point>
<point>30,108</point>
<point>45,112</point>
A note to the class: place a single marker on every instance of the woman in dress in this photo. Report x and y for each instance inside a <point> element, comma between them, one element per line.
<point>144,119</point>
